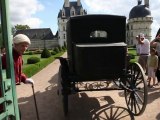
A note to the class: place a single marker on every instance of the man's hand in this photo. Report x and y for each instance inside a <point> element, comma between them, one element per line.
<point>29,81</point>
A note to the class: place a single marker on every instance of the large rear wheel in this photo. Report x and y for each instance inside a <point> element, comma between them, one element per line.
<point>136,89</point>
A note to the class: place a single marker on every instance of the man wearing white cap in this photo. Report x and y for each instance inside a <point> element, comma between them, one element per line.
<point>20,45</point>
<point>144,51</point>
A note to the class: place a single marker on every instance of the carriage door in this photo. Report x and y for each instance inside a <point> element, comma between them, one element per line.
<point>8,98</point>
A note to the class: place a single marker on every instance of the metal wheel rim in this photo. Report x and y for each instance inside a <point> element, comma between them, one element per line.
<point>136,99</point>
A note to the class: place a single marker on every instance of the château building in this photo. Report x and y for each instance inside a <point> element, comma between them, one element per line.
<point>69,9</point>
<point>139,21</point>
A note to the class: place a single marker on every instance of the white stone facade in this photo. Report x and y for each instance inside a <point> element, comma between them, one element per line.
<point>139,25</point>
<point>40,44</point>
<point>63,17</point>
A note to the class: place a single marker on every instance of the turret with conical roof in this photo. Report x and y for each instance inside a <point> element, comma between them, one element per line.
<point>139,21</point>
<point>140,10</point>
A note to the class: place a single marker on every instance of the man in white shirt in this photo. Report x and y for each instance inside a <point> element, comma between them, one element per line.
<point>144,51</point>
<point>138,45</point>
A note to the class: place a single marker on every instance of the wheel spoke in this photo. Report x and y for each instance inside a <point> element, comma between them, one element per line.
<point>141,81</point>
<point>137,104</point>
<point>136,99</point>
<point>129,100</point>
<point>137,90</point>
<point>139,97</point>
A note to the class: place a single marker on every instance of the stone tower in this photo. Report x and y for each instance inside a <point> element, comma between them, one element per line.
<point>139,21</point>
<point>69,9</point>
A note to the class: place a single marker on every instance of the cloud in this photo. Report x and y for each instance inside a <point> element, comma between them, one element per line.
<point>123,7</point>
<point>109,7</point>
<point>23,11</point>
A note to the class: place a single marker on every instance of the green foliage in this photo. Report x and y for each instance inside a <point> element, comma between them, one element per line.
<point>30,53</point>
<point>22,27</point>
<point>33,60</point>
<point>53,53</point>
<point>133,53</point>
<point>132,56</point>
<point>60,48</point>
<point>32,69</point>
<point>38,52</point>
<point>56,50</point>
<point>64,49</point>
<point>45,53</point>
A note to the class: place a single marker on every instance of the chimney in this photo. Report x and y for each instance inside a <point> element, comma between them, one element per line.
<point>139,2</point>
<point>78,2</point>
<point>146,3</point>
<point>66,3</point>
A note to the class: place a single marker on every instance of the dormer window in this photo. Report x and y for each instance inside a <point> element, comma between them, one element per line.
<point>72,12</point>
<point>81,12</point>
<point>63,13</point>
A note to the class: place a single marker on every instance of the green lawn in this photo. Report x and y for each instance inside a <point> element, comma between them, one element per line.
<point>133,52</point>
<point>31,69</point>
<point>25,57</point>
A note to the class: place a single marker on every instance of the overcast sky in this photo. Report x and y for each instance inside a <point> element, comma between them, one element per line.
<point>43,13</point>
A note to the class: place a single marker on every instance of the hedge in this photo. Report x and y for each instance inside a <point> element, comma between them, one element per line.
<point>32,69</point>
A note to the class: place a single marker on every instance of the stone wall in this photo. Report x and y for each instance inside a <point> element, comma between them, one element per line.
<point>40,44</point>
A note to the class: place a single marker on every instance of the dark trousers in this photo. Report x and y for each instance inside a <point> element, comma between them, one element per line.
<point>158,71</point>
<point>158,75</point>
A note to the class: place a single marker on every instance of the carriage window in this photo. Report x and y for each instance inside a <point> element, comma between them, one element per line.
<point>98,34</point>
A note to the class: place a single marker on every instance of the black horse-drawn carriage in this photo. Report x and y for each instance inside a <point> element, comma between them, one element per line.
<point>97,56</point>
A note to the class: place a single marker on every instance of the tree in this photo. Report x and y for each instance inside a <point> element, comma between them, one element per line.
<point>1,42</point>
<point>13,30</point>
<point>22,27</point>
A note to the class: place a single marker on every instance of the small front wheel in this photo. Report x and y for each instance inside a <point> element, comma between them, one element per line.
<point>62,92</point>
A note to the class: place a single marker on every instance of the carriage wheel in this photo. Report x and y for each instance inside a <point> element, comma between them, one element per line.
<point>61,91</point>
<point>136,89</point>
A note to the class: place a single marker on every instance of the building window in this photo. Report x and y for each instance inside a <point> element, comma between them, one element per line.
<point>63,13</point>
<point>64,28</point>
<point>72,13</point>
<point>81,11</point>
<point>64,36</point>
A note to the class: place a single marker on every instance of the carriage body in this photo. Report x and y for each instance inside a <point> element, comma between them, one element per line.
<point>96,57</point>
<point>96,46</point>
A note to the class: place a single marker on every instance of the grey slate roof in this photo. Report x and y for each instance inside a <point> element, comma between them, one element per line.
<point>40,34</point>
<point>139,11</point>
<point>67,9</point>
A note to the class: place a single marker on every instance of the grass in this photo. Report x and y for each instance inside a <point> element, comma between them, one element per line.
<point>31,69</point>
<point>133,52</point>
<point>25,57</point>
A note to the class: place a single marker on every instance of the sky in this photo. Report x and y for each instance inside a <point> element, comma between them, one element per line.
<point>43,13</point>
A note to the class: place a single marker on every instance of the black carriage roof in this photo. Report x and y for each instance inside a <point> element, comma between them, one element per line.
<point>97,15</point>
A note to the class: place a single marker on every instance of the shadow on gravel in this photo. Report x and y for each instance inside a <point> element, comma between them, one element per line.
<point>158,117</point>
<point>49,105</point>
<point>82,107</point>
<point>153,94</point>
